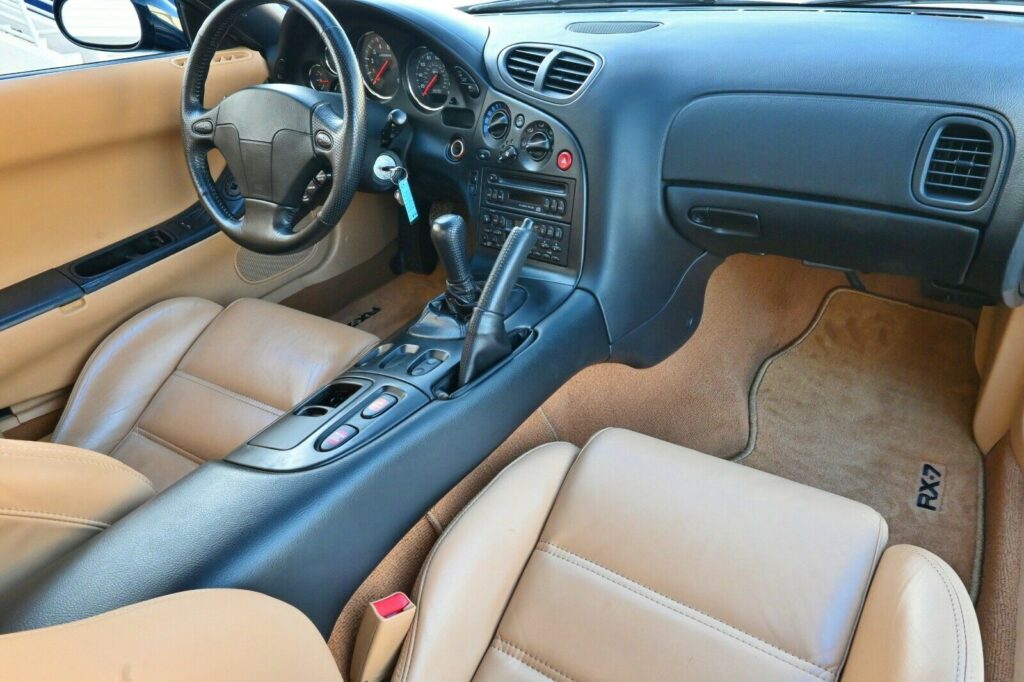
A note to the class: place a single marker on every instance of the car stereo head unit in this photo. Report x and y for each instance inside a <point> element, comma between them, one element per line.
<point>547,197</point>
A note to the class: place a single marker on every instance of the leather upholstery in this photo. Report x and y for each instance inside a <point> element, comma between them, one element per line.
<point>918,623</point>
<point>201,635</point>
<point>651,561</point>
<point>55,497</point>
<point>187,381</point>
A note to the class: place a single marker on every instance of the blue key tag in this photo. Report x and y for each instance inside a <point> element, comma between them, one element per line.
<point>400,177</point>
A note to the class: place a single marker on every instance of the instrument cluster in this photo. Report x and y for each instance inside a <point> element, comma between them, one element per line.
<point>426,78</point>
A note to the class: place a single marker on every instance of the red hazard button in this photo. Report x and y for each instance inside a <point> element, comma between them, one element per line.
<point>564,160</point>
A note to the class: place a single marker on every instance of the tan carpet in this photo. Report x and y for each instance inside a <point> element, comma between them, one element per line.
<point>859,405</point>
<point>394,305</point>
<point>754,307</point>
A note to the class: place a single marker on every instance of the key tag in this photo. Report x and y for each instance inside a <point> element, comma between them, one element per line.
<point>400,178</point>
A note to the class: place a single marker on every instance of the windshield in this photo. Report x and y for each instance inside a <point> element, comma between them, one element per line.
<point>483,6</point>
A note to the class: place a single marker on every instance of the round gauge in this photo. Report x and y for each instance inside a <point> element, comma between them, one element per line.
<point>429,81</point>
<point>379,65</point>
<point>320,78</point>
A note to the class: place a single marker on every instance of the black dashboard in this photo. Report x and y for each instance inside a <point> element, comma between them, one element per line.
<point>650,143</point>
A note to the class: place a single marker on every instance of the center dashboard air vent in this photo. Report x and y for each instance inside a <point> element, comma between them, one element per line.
<point>549,72</point>
<point>523,63</point>
<point>958,163</point>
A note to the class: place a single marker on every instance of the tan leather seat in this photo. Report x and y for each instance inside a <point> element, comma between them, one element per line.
<point>55,497</point>
<point>201,636</point>
<point>634,559</point>
<point>187,381</point>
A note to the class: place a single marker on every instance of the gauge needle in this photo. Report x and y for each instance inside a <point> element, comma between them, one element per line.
<point>383,69</point>
<point>431,84</point>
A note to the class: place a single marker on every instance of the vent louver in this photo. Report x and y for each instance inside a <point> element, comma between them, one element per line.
<point>960,164</point>
<point>523,63</point>
<point>567,74</point>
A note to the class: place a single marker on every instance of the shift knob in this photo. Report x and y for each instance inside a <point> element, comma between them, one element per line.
<point>448,232</point>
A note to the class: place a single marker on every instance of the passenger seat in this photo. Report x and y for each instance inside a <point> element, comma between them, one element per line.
<point>630,559</point>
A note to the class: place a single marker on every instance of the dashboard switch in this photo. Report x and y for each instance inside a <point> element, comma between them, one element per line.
<point>379,406</point>
<point>338,437</point>
<point>564,160</point>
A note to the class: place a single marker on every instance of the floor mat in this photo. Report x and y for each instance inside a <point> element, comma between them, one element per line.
<point>389,308</point>
<point>874,402</point>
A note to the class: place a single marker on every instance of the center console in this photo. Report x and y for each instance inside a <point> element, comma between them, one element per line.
<point>462,335</point>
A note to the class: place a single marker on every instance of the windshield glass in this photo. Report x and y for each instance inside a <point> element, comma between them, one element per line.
<point>513,5</point>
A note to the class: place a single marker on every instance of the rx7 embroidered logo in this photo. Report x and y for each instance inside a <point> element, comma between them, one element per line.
<point>929,492</point>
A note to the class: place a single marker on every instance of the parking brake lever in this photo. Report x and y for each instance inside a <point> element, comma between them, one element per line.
<point>487,342</point>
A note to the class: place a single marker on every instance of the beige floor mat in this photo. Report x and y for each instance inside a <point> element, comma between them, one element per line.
<point>874,402</point>
<point>389,308</point>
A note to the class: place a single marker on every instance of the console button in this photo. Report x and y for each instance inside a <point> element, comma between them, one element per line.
<point>564,160</point>
<point>338,437</point>
<point>379,406</point>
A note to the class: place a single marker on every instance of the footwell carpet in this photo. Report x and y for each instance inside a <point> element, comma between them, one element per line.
<point>874,402</point>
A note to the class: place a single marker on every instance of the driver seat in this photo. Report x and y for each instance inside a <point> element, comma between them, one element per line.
<point>187,381</point>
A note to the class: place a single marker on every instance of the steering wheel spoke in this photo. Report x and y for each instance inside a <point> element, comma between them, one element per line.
<point>199,127</point>
<point>262,133</point>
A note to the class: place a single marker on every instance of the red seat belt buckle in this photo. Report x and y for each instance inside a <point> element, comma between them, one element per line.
<point>385,624</point>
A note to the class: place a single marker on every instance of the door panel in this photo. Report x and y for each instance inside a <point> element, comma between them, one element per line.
<point>94,155</point>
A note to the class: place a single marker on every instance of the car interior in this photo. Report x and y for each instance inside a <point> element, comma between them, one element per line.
<point>566,340</point>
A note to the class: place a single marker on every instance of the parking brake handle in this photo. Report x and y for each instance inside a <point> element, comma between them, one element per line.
<point>487,342</point>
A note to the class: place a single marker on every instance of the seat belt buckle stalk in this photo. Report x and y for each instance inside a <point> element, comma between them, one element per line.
<point>381,634</point>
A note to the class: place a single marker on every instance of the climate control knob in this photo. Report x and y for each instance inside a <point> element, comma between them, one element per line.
<point>497,121</point>
<point>508,154</point>
<point>538,141</point>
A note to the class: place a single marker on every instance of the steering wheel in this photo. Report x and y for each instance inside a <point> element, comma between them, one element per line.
<point>275,138</point>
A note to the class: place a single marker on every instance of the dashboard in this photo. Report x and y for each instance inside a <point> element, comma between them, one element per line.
<point>647,144</point>
<point>504,159</point>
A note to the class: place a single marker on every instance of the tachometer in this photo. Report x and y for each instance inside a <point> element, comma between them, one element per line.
<point>379,66</point>
<point>320,78</point>
<point>429,81</point>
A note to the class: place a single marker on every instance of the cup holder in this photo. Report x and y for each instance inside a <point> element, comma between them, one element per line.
<point>328,399</point>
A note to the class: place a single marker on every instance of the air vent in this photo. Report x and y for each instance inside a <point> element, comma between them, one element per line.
<point>959,162</point>
<point>523,63</point>
<point>567,74</point>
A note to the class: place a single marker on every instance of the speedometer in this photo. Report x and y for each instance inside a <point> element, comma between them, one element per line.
<point>429,82</point>
<point>379,66</point>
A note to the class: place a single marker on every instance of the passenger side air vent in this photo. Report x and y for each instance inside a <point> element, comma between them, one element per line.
<point>958,163</point>
<point>523,63</point>
<point>567,74</point>
<point>556,74</point>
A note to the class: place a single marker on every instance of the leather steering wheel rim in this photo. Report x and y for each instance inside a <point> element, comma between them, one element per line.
<point>336,138</point>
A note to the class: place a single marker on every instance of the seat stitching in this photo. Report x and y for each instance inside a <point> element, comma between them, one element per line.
<point>527,654</point>
<point>519,660</point>
<point>955,609</point>
<point>632,585</point>
<point>176,449</point>
<point>406,658</point>
<point>53,516</point>
<point>85,377</point>
<point>113,465</point>
<point>253,402</point>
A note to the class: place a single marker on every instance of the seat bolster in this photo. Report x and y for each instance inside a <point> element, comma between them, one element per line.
<point>55,497</point>
<point>918,624</point>
<point>200,635</point>
<point>470,575</point>
<point>127,369</point>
